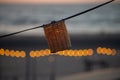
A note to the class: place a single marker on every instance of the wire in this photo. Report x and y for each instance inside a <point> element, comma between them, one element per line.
<point>7,35</point>
<point>88,10</point>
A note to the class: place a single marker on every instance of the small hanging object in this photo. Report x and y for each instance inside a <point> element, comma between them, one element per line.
<point>57,36</point>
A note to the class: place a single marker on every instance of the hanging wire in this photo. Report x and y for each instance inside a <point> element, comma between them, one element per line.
<point>88,10</point>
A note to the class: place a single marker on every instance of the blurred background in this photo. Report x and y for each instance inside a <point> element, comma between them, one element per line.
<point>100,27</point>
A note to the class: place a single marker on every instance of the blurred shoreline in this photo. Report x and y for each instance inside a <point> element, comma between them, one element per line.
<point>77,40</point>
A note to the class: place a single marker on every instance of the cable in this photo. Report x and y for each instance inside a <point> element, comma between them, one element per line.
<point>3,36</point>
<point>88,10</point>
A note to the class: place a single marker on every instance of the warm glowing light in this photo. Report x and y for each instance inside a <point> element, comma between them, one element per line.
<point>32,54</point>
<point>114,52</point>
<point>71,53</point>
<point>47,52</point>
<point>42,53</point>
<point>17,53</point>
<point>99,50</point>
<point>65,52</point>
<point>85,52</point>
<point>90,52</point>
<point>2,51</point>
<point>7,52</point>
<point>80,52</point>
<point>22,54</point>
<point>76,53</point>
<point>103,50</point>
<point>62,53</point>
<point>58,53</point>
<point>39,53</point>
<point>109,51</point>
<point>12,53</point>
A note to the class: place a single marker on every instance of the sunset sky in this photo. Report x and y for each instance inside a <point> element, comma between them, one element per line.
<point>52,1</point>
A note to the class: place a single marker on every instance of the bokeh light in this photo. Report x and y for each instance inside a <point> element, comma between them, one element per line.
<point>106,51</point>
<point>68,53</point>
<point>2,51</point>
<point>7,52</point>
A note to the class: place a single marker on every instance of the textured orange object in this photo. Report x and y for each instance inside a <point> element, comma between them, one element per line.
<point>57,36</point>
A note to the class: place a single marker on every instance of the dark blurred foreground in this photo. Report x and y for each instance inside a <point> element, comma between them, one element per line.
<point>54,68</point>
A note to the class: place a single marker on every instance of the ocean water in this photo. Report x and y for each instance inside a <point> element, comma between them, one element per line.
<point>18,17</point>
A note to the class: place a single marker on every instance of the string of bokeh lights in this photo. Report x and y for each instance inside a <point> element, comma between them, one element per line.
<point>68,53</point>
<point>12,53</point>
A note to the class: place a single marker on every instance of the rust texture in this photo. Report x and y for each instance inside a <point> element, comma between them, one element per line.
<point>57,36</point>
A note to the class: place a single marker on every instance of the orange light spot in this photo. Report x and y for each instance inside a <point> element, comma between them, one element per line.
<point>76,53</point>
<point>23,54</point>
<point>79,52</point>
<point>42,53</point>
<point>85,52</point>
<point>17,54</point>
<point>36,53</point>
<point>71,53</point>
<point>2,52</point>
<point>47,51</point>
<point>39,53</point>
<point>32,54</point>
<point>114,52</point>
<point>68,52</point>
<point>103,50</point>
<point>65,52</point>
<point>99,50</point>
<point>109,51</point>
<point>90,52</point>
<point>7,52</point>
<point>12,53</point>
<point>60,53</point>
